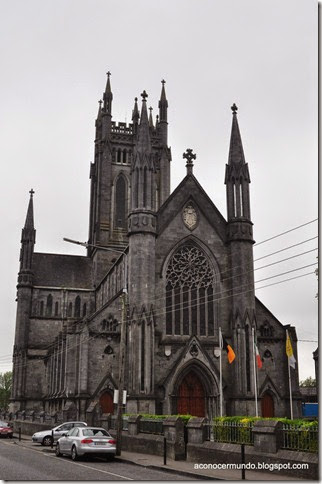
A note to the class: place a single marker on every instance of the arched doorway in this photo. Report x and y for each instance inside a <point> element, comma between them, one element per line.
<point>106,403</point>
<point>267,405</point>
<point>191,396</point>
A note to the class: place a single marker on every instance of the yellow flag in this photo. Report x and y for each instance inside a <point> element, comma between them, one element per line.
<point>289,351</point>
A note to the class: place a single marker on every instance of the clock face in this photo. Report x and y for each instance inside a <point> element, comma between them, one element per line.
<point>189,216</point>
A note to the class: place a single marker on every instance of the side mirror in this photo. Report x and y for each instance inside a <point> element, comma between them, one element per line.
<point>64,434</point>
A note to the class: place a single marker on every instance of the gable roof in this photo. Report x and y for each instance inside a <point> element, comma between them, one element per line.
<point>191,188</point>
<point>60,270</point>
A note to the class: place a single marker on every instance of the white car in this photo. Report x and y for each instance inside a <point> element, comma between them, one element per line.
<point>87,441</point>
<point>44,437</point>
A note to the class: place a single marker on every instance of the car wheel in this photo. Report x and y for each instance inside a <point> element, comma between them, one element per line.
<point>74,453</point>
<point>47,440</point>
<point>57,452</point>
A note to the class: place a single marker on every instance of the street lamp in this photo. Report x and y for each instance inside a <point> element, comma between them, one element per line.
<point>122,348</point>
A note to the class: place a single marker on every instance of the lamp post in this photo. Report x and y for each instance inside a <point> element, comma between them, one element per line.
<point>119,421</point>
<point>122,347</point>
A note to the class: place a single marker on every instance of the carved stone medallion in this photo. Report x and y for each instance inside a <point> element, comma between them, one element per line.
<point>189,216</point>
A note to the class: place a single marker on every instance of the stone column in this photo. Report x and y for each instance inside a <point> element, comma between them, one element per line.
<point>196,430</point>
<point>267,436</point>
<point>173,428</point>
<point>133,424</point>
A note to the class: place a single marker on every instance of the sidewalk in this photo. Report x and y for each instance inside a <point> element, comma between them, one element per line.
<point>183,468</point>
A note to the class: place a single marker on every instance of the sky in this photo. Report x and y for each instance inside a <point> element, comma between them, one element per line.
<point>261,55</point>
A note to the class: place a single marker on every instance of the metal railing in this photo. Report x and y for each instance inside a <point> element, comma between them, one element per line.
<point>231,432</point>
<point>304,439</point>
<point>151,426</point>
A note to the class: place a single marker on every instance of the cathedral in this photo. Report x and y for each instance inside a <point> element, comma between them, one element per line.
<point>164,275</point>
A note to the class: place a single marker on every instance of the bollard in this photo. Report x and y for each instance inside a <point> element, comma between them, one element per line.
<point>243,461</point>
<point>19,431</point>
<point>52,439</point>
<point>164,451</point>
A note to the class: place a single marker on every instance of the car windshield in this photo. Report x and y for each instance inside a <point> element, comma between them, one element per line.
<point>95,433</point>
<point>3,424</point>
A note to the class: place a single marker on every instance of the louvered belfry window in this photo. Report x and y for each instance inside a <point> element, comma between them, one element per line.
<point>190,291</point>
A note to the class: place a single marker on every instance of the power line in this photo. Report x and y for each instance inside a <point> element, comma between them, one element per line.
<point>286,232</point>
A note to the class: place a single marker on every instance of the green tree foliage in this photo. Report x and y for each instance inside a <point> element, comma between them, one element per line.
<point>308,382</point>
<point>5,389</point>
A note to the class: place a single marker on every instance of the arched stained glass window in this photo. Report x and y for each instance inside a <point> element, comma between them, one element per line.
<point>190,284</point>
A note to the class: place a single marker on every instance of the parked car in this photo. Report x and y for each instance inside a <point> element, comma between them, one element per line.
<point>5,430</point>
<point>82,441</point>
<point>44,437</point>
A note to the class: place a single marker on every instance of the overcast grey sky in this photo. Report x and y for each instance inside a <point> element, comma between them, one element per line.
<point>262,55</point>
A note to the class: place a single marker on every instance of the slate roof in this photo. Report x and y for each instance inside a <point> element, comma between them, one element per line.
<point>59,270</point>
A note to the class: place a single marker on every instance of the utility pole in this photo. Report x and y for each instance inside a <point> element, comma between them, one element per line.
<point>119,421</point>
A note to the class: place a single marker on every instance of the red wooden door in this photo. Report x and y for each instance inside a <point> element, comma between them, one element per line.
<point>267,405</point>
<point>106,403</point>
<point>191,398</point>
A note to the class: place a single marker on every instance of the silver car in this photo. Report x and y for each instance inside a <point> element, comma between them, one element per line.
<point>87,441</point>
<point>44,437</point>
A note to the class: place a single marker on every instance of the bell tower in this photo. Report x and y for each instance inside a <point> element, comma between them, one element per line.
<point>116,146</point>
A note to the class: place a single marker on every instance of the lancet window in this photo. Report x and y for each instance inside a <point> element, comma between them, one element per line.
<point>190,293</point>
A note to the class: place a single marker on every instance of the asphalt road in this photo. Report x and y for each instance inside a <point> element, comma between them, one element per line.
<point>18,462</point>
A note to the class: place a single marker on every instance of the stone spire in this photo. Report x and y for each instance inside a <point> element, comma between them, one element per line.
<point>135,115</point>
<point>163,116</point>
<point>163,104</point>
<point>28,238</point>
<point>236,152</point>
<point>237,177</point>
<point>151,118</point>
<point>29,223</point>
<point>108,96</point>
<point>144,142</point>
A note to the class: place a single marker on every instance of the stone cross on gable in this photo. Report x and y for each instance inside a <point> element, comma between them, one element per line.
<point>189,156</point>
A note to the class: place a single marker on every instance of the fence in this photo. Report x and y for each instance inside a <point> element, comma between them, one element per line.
<point>231,432</point>
<point>305,439</point>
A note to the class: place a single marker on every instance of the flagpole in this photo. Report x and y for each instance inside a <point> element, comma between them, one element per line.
<point>289,380</point>
<point>255,373</point>
<point>220,371</point>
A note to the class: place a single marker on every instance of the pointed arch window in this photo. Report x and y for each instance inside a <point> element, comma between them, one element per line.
<point>120,202</point>
<point>70,310</point>
<point>190,288</point>
<point>77,307</point>
<point>49,305</point>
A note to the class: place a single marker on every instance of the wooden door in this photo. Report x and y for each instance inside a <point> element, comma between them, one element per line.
<point>106,403</point>
<point>191,396</point>
<point>267,405</point>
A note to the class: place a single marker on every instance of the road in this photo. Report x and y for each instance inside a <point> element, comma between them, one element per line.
<point>32,462</point>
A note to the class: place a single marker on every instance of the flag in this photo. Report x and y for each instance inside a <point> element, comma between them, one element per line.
<point>289,351</point>
<point>230,352</point>
<point>258,358</point>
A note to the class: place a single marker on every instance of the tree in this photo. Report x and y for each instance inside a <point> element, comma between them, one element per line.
<point>5,389</point>
<point>308,382</point>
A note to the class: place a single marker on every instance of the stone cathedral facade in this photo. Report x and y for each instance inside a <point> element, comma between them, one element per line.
<point>186,269</point>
